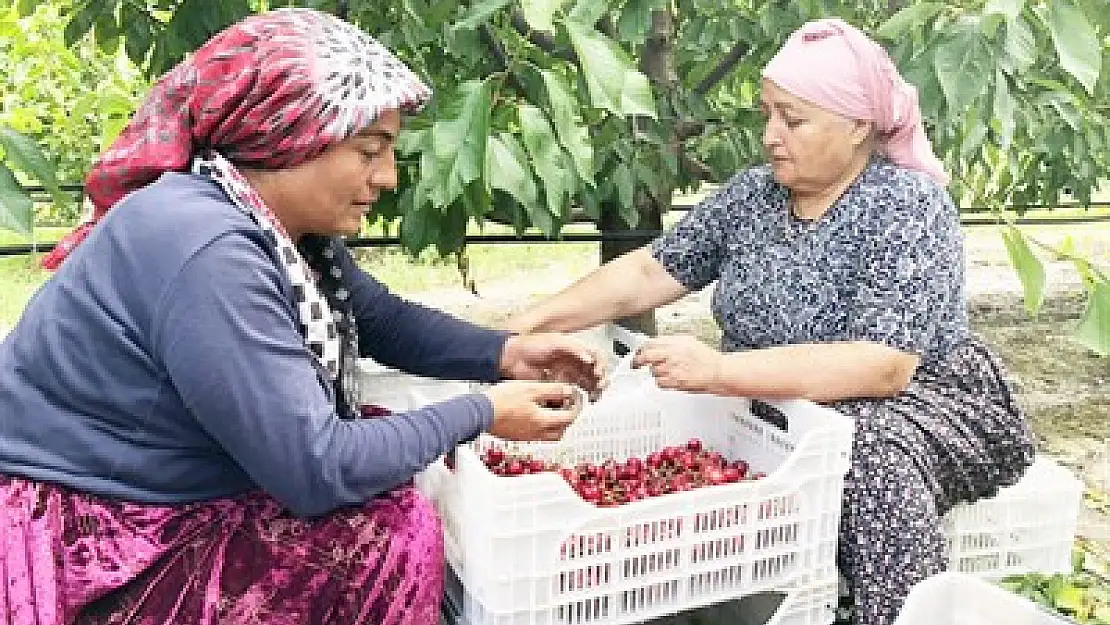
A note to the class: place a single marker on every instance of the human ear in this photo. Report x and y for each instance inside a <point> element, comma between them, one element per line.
<point>861,131</point>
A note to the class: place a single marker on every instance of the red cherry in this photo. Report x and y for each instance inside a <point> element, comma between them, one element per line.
<point>715,476</point>
<point>590,492</point>
<point>731,475</point>
<point>494,456</point>
<point>694,444</point>
<point>514,467</point>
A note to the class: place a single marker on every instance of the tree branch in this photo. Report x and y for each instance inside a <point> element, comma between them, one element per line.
<point>490,39</point>
<point>698,169</point>
<point>723,68</point>
<point>605,25</point>
<point>687,128</point>
<point>540,39</point>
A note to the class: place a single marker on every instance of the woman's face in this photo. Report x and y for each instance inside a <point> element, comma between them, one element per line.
<point>808,147</point>
<point>329,194</point>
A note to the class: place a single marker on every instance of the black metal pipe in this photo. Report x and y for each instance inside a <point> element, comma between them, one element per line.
<point>582,237</point>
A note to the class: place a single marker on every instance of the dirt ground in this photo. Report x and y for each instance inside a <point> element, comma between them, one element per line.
<point>1063,387</point>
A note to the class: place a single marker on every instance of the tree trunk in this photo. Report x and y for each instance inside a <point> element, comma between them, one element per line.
<point>657,63</point>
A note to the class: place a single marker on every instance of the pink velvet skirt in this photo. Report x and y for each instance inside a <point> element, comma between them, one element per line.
<point>72,558</point>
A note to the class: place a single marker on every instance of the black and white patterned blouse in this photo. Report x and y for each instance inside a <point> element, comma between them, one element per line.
<point>884,264</point>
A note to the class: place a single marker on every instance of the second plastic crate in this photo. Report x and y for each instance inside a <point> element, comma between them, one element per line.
<point>529,551</point>
<point>1027,527</point>
<point>961,599</point>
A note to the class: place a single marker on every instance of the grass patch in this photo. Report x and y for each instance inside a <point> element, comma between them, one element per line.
<point>21,277</point>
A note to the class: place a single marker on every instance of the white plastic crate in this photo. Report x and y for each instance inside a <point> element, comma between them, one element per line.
<point>398,391</point>
<point>1027,527</point>
<point>955,598</point>
<point>529,551</point>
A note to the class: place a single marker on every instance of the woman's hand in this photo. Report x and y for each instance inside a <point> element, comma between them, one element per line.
<point>553,356</point>
<point>681,363</point>
<point>533,411</point>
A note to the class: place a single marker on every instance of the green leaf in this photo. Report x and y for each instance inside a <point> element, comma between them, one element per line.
<point>1004,109</point>
<point>1021,45</point>
<point>476,198</point>
<point>1071,599</point>
<point>1065,106</point>
<point>625,183</point>
<point>1094,328</point>
<point>81,21</point>
<point>27,7</point>
<point>588,12</point>
<point>575,137</point>
<point>138,32</point>
<point>458,141</point>
<point>16,209</point>
<point>544,151</point>
<point>509,173</point>
<point>480,13</point>
<point>540,13</point>
<point>1029,268</point>
<point>1076,42</point>
<point>963,66</point>
<point>26,156</point>
<point>1009,8</point>
<point>635,20</point>
<point>990,24</point>
<point>418,229</point>
<point>106,32</point>
<point>613,82</point>
<point>908,18</point>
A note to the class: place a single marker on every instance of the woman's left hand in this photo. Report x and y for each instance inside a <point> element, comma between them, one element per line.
<point>554,357</point>
<point>681,363</point>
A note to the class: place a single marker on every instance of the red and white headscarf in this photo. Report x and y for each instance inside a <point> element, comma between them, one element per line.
<point>833,65</point>
<point>271,91</point>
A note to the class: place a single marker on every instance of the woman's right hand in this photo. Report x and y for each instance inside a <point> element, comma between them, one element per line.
<point>533,411</point>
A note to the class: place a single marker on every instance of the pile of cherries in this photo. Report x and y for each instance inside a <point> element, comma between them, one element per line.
<point>672,469</point>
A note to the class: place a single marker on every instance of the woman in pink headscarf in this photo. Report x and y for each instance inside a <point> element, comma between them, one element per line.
<point>839,276</point>
<point>180,441</point>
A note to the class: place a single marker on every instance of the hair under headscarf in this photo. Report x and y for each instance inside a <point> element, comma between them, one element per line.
<point>833,65</point>
<point>271,91</point>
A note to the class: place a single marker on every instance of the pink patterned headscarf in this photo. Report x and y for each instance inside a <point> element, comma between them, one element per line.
<point>833,65</point>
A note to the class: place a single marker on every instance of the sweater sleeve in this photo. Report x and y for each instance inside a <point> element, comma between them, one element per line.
<point>227,336</point>
<point>415,338</point>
